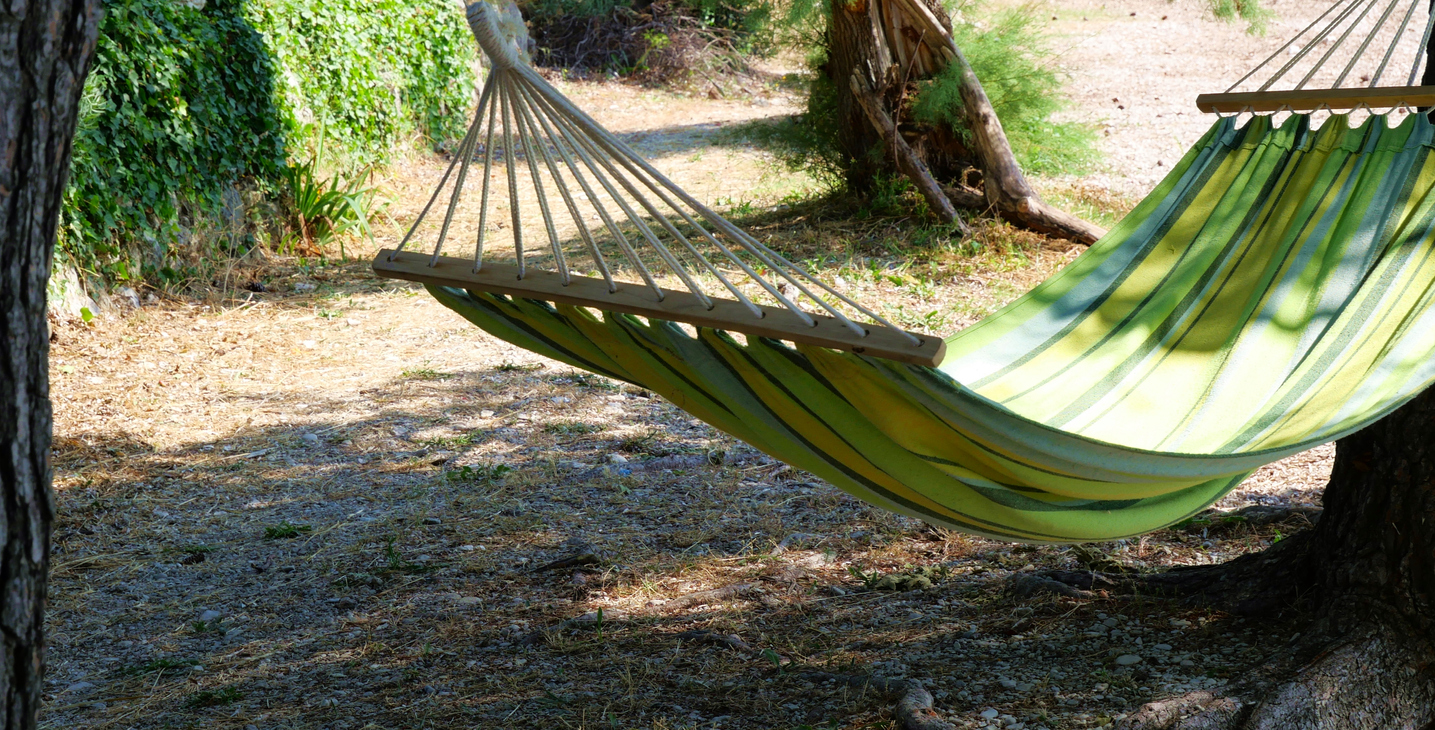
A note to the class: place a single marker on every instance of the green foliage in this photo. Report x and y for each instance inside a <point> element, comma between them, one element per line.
<point>320,209</point>
<point>178,105</point>
<point>1256,15</point>
<point>1007,51</point>
<point>214,698</point>
<point>188,110</point>
<point>285,530</point>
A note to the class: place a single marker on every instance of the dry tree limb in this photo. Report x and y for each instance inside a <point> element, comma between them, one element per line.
<point>731,641</point>
<point>913,709</point>
<point>907,161</point>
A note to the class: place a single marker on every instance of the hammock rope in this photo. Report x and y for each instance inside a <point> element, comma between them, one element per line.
<point>552,136</point>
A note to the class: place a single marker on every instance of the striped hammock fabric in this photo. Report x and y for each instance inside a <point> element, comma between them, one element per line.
<point>1273,293</point>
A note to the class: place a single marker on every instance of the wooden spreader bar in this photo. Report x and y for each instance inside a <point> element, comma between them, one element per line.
<point>677,306</point>
<point>1307,100</point>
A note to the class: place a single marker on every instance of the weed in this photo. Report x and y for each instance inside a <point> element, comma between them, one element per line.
<point>572,428</point>
<point>425,374</point>
<point>1253,12</point>
<point>478,473</point>
<point>285,530</point>
<point>395,562</point>
<point>452,442</point>
<point>160,665</point>
<point>509,367</point>
<point>214,698</point>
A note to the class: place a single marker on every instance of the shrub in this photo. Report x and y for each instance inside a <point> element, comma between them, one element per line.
<point>192,112</point>
<point>1008,52</point>
<point>664,41</point>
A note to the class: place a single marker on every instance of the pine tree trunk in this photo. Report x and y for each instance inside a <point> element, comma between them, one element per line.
<point>45,51</point>
<point>1365,573</point>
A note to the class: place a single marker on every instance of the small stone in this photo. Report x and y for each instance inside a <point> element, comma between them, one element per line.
<point>469,601</point>
<point>79,687</point>
<point>1111,622</point>
<point>98,706</point>
<point>617,459</point>
<point>485,413</point>
<point>466,548</point>
<point>1187,663</point>
<point>305,286</point>
<point>127,643</point>
<point>990,713</point>
<point>311,439</point>
<point>230,634</point>
<point>210,615</point>
<point>432,521</point>
<point>251,727</point>
<point>1126,660</point>
<point>1162,647</point>
<point>1007,683</point>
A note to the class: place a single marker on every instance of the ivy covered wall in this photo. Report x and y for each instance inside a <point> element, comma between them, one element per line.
<point>194,108</point>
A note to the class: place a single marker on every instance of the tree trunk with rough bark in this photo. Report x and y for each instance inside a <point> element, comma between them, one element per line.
<point>1364,576</point>
<point>877,50</point>
<point>45,51</point>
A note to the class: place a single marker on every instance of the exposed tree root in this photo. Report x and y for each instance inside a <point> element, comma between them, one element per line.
<point>1374,679</point>
<point>913,709</point>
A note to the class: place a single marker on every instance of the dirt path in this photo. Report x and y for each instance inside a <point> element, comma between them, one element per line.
<point>322,506</point>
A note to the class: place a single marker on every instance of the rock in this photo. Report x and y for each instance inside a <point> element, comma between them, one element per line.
<point>1162,647</point>
<point>617,459</point>
<point>305,286</point>
<point>1007,683</point>
<point>432,521</point>
<point>79,687</point>
<point>990,713</point>
<point>1187,663</point>
<point>128,297</point>
<point>1126,660</point>
<point>485,413</point>
<point>208,616</point>
<point>467,548</point>
<point>311,439</point>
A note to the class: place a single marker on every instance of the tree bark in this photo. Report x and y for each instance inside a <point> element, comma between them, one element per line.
<point>45,51</point>
<point>876,48</point>
<point>1364,575</point>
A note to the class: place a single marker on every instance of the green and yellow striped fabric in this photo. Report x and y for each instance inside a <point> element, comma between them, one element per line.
<point>1273,293</point>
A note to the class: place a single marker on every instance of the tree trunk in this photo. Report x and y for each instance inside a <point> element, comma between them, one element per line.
<point>1365,575</point>
<point>45,51</point>
<point>876,48</point>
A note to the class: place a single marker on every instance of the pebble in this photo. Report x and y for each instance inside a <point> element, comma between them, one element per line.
<point>990,713</point>
<point>1126,660</point>
<point>210,615</point>
<point>617,459</point>
<point>1007,683</point>
<point>310,439</point>
<point>432,521</point>
<point>485,413</point>
<point>1163,647</point>
<point>1187,663</point>
<point>469,601</point>
<point>305,286</point>
<point>79,687</point>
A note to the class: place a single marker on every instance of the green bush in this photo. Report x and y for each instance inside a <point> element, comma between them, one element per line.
<point>1008,53</point>
<point>186,108</point>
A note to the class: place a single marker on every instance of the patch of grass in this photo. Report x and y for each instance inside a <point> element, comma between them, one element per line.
<point>451,442</point>
<point>214,698</point>
<point>509,367</point>
<point>395,562</point>
<point>1254,12</point>
<point>160,665</point>
<point>285,530</point>
<point>572,428</point>
<point>478,473</point>
<point>425,374</point>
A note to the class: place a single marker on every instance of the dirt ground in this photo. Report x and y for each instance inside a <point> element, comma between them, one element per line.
<point>334,504</point>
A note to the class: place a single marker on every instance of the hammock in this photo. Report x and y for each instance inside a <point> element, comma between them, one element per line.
<point>1273,293</point>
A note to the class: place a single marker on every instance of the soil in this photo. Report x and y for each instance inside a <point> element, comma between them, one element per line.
<point>334,504</point>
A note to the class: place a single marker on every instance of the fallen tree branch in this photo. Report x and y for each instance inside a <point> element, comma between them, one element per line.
<point>913,709</point>
<point>907,161</point>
